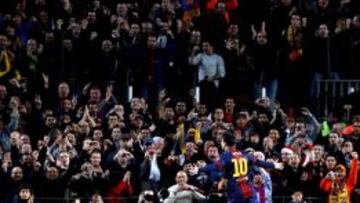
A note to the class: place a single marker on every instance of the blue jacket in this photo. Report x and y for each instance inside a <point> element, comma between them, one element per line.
<point>5,133</point>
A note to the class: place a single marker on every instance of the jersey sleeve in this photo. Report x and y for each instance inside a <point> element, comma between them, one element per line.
<point>227,165</point>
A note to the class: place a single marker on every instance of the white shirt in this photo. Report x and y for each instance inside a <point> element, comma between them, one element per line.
<point>209,66</point>
<point>182,196</point>
<point>155,174</point>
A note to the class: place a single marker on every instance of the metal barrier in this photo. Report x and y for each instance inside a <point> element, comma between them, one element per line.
<point>331,93</point>
<point>134,199</point>
<point>276,199</point>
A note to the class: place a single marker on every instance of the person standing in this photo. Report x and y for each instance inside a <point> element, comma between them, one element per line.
<point>211,70</point>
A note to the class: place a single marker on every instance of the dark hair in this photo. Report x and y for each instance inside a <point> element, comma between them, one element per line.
<point>229,139</point>
<point>96,151</point>
<point>331,155</point>
<point>25,187</point>
<point>113,114</point>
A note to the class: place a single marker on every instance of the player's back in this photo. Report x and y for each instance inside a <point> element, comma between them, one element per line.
<point>236,169</point>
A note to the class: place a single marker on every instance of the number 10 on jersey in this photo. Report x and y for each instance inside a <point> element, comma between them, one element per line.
<point>240,167</point>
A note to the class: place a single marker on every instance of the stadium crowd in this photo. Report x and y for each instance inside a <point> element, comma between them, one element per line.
<point>98,101</point>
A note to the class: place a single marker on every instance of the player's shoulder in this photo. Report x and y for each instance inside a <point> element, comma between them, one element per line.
<point>237,154</point>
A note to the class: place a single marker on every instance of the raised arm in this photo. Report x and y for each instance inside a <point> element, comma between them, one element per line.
<point>353,173</point>
<point>194,60</point>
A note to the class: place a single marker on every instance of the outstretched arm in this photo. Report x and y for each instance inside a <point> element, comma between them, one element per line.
<point>353,174</point>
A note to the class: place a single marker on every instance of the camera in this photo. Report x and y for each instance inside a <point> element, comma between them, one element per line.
<point>163,194</point>
<point>333,174</point>
<point>149,197</point>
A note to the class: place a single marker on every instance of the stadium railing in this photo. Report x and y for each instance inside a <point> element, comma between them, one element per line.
<point>332,93</point>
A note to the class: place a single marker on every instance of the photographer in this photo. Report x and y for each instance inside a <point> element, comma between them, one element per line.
<point>337,185</point>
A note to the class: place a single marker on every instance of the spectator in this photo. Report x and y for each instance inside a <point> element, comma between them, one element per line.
<point>182,192</point>
<point>211,70</point>
<point>322,62</point>
<point>151,170</point>
<point>262,183</point>
<point>297,197</point>
<point>263,56</point>
<point>7,59</point>
<point>94,102</point>
<point>333,183</point>
<point>238,65</point>
<point>25,194</point>
<point>96,198</point>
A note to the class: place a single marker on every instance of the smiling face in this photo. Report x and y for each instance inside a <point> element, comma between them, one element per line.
<point>195,37</point>
<point>52,173</point>
<point>181,178</point>
<point>17,174</point>
<point>318,152</point>
<point>285,156</point>
<point>274,134</point>
<point>107,46</point>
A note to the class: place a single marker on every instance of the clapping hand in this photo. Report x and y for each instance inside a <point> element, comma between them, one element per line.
<point>127,177</point>
<point>354,155</point>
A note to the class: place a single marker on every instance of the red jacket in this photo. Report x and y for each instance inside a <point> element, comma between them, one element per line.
<point>230,5</point>
<point>119,191</point>
<point>344,194</point>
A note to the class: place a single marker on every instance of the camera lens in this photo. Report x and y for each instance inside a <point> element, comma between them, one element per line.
<point>149,197</point>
